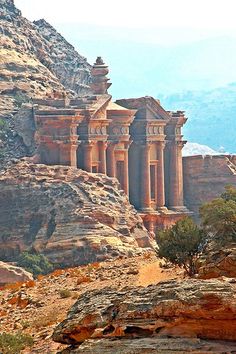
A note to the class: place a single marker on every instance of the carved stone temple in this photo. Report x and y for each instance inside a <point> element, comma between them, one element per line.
<point>134,140</point>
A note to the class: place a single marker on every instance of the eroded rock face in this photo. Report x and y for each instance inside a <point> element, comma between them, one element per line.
<point>218,261</point>
<point>35,61</point>
<point>192,308</point>
<point>205,178</point>
<point>153,345</point>
<point>71,216</point>
<point>10,274</point>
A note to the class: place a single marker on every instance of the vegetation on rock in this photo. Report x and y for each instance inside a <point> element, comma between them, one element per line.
<point>219,216</point>
<point>14,343</point>
<point>35,263</point>
<point>182,244</point>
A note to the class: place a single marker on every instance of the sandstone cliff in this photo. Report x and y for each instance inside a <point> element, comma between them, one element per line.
<point>35,61</point>
<point>205,178</point>
<point>139,318</point>
<point>71,216</point>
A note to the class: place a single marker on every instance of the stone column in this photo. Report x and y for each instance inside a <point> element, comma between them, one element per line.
<point>88,156</point>
<point>126,169</point>
<point>111,163</point>
<point>176,176</point>
<point>160,177</point>
<point>102,157</point>
<point>145,187</point>
<point>68,154</point>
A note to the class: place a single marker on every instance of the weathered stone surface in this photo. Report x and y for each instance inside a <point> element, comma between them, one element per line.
<point>192,308</point>
<point>153,345</point>
<point>71,216</point>
<point>205,178</point>
<point>10,274</point>
<point>218,261</point>
<point>35,61</point>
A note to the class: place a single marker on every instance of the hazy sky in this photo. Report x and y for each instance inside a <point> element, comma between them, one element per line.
<point>192,18</point>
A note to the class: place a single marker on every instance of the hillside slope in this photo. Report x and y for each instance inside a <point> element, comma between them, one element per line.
<point>35,61</point>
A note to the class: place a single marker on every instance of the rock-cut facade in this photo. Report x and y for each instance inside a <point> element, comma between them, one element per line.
<point>135,140</point>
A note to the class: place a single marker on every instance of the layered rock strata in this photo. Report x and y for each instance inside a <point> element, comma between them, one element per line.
<point>35,61</point>
<point>188,309</point>
<point>153,346</point>
<point>72,216</point>
<point>218,261</point>
<point>10,274</point>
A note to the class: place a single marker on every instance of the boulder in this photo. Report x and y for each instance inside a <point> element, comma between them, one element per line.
<point>10,274</point>
<point>218,261</point>
<point>71,216</point>
<point>178,309</point>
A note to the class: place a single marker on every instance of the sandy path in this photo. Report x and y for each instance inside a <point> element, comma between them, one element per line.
<point>152,273</point>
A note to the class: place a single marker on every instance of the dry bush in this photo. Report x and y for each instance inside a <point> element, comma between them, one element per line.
<point>48,318</point>
<point>64,293</point>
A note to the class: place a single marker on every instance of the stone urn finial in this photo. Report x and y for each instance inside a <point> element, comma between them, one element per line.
<point>99,61</point>
<point>99,82</point>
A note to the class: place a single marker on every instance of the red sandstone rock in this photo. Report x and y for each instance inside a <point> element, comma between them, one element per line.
<point>218,261</point>
<point>153,346</point>
<point>10,274</point>
<point>35,61</point>
<point>192,308</point>
<point>205,178</point>
<point>71,216</point>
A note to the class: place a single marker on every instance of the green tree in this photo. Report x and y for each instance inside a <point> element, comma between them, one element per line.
<point>35,263</point>
<point>219,216</point>
<point>182,244</point>
<point>229,193</point>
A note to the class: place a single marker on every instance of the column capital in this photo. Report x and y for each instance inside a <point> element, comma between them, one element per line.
<point>111,143</point>
<point>161,144</point>
<point>144,144</point>
<point>180,143</point>
<point>104,143</point>
<point>89,143</point>
<point>127,144</point>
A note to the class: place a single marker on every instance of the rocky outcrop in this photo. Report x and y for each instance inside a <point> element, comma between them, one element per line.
<point>10,274</point>
<point>71,68</point>
<point>153,346</point>
<point>205,178</point>
<point>35,61</point>
<point>191,308</point>
<point>218,261</point>
<point>71,216</point>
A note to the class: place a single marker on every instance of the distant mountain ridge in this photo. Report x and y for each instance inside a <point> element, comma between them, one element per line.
<point>193,77</point>
<point>212,116</point>
<point>191,149</point>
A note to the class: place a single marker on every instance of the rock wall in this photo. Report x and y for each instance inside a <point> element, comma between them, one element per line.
<point>205,178</point>
<point>71,216</point>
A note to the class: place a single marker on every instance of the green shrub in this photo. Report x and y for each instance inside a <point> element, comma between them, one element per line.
<point>14,343</point>
<point>182,244</point>
<point>64,293</point>
<point>219,216</point>
<point>3,123</point>
<point>35,263</point>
